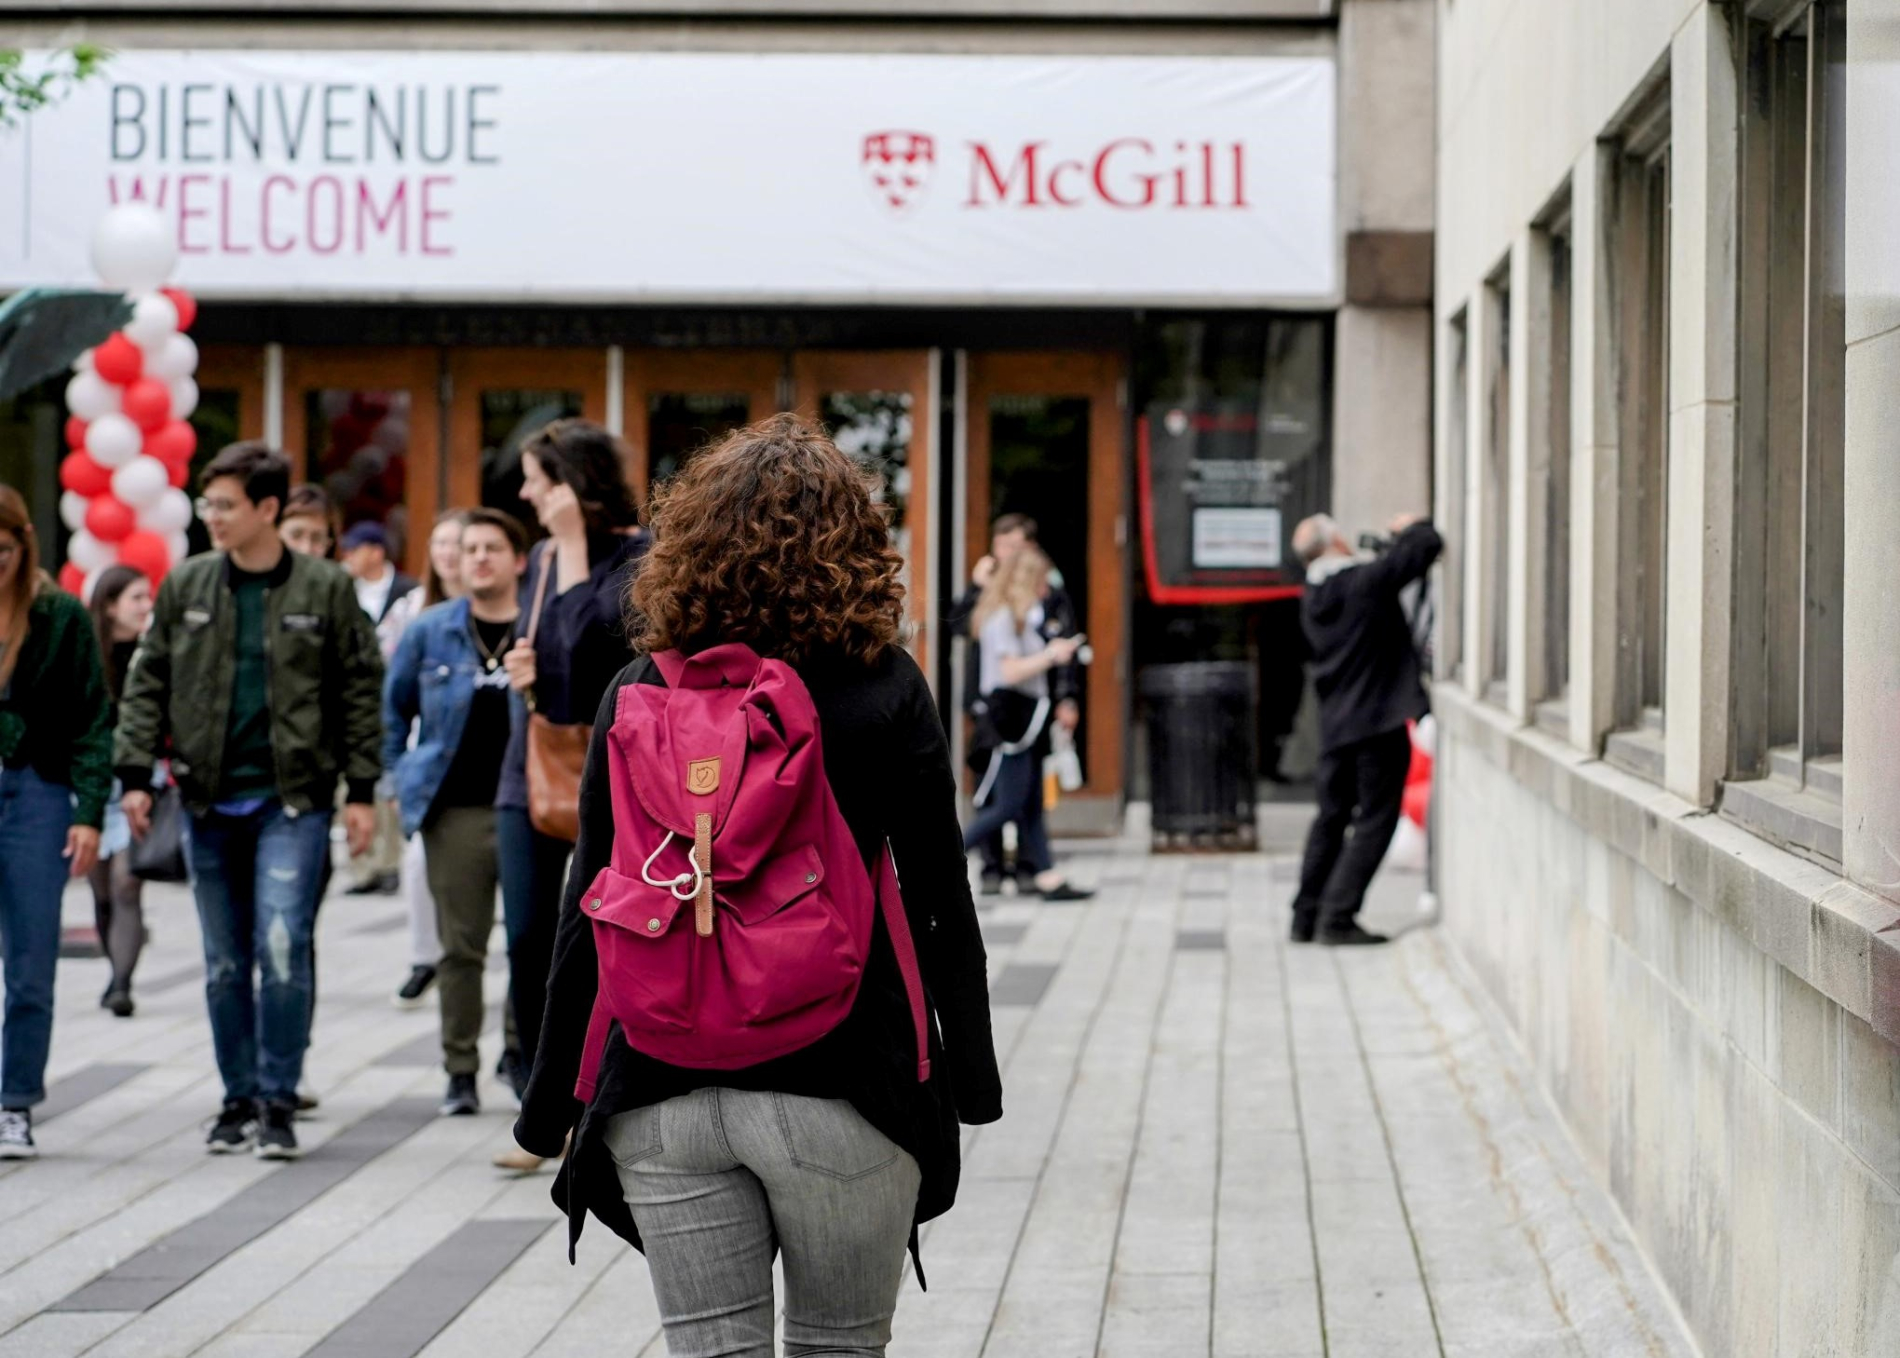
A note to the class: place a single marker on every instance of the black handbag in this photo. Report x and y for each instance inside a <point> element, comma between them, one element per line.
<point>160,856</point>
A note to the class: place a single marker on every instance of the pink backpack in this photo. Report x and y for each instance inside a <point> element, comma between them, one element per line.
<point>733,920</point>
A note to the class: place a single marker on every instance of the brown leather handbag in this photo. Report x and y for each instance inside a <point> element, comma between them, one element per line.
<point>557,752</point>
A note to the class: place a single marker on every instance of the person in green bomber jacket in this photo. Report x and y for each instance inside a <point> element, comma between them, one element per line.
<point>55,740</point>
<point>262,679</point>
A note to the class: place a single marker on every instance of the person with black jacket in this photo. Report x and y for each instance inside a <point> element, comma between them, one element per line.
<point>833,1154</point>
<point>1366,672</point>
<point>574,478</point>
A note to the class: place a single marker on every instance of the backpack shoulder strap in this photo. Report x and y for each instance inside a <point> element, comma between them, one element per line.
<point>890,900</point>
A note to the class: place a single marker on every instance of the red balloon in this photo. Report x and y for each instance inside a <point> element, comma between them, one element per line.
<point>147,553</point>
<point>72,579</point>
<point>173,441</point>
<point>119,360</point>
<point>75,432</point>
<point>179,472</point>
<point>82,476</point>
<point>148,403</point>
<point>110,519</point>
<point>1415,802</point>
<point>187,305</point>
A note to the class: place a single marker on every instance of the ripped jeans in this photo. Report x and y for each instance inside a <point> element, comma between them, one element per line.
<point>256,877</point>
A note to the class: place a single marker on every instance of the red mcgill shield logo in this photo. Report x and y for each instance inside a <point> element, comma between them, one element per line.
<point>897,166</point>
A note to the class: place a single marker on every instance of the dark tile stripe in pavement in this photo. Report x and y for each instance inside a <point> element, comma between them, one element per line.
<point>1002,935</point>
<point>1022,983</point>
<point>1200,940</point>
<point>174,1260</point>
<point>399,1321</point>
<point>422,1051</point>
<point>389,925</point>
<point>83,1086</point>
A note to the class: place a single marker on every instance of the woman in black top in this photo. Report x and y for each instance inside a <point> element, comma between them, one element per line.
<point>121,608</point>
<point>55,771</point>
<point>772,539</point>
<point>573,474</point>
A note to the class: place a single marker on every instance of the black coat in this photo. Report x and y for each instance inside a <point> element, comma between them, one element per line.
<point>1364,658</point>
<point>889,765</point>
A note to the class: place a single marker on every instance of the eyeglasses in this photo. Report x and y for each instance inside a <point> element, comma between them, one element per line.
<point>206,506</point>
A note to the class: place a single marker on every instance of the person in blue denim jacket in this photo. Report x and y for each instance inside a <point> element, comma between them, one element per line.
<point>447,675</point>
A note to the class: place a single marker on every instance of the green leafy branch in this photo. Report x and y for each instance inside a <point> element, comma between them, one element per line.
<point>23,92</point>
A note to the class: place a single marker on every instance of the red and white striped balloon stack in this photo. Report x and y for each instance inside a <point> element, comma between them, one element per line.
<point>131,399</point>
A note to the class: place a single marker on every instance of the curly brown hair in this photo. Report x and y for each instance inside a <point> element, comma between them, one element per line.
<point>771,537</point>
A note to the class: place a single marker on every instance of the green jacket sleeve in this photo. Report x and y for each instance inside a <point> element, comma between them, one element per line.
<point>147,696</point>
<point>360,682</point>
<point>91,716</point>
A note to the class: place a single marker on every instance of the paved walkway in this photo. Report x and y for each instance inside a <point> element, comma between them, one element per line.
<point>1215,1144</point>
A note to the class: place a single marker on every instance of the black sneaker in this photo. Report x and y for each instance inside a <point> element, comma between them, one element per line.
<point>276,1139</point>
<point>1304,927</point>
<point>409,994</point>
<point>1350,936</point>
<point>461,1100</point>
<point>120,1003</point>
<point>16,1135</point>
<point>1067,891</point>
<point>235,1128</point>
<point>992,884</point>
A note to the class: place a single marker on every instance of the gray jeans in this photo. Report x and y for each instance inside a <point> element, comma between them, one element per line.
<point>720,1180</point>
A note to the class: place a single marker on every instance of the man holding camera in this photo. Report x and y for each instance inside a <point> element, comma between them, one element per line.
<point>1366,672</point>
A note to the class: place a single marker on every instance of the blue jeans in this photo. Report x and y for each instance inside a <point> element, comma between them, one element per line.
<point>533,869</point>
<point>1016,796</point>
<point>34,818</point>
<point>256,879</point>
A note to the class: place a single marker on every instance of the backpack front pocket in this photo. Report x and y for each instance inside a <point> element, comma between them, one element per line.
<point>646,974</point>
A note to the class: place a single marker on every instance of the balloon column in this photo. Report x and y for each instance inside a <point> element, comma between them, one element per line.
<point>130,397</point>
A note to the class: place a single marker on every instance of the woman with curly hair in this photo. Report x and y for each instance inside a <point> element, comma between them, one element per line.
<point>835,1153</point>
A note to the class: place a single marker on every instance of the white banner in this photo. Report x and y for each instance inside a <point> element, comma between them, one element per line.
<point>695,177</point>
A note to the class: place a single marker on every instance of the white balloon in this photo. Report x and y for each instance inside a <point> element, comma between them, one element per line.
<point>83,364</point>
<point>180,545</point>
<point>88,553</point>
<point>113,440</point>
<point>72,510</point>
<point>89,396</point>
<point>177,357</point>
<point>133,248</point>
<point>154,322</point>
<point>169,513</point>
<point>141,482</point>
<point>184,396</point>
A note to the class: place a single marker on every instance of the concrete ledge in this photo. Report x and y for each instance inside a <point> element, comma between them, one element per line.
<point>1838,938</point>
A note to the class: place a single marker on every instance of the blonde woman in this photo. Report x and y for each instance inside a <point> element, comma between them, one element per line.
<point>1013,713</point>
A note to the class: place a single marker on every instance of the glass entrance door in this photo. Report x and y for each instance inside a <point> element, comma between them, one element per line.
<point>498,398</point>
<point>679,401</point>
<point>365,424</point>
<point>877,407</point>
<point>1045,435</point>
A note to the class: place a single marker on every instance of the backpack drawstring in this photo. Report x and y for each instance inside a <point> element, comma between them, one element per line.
<point>696,877</point>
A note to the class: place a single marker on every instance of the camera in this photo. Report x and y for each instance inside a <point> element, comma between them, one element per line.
<point>1376,543</point>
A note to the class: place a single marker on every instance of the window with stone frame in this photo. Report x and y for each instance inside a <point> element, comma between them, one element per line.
<point>1495,532</point>
<point>1450,512</point>
<point>1786,671</point>
<point>1638,236</point>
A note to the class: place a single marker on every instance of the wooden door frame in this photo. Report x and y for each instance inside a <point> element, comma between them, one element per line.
<point>472,371</point>
<point>755,372</point>
<point>815,371</point>
<point>239,366</point>
<point>1096,376</point>
<point>415,369</point>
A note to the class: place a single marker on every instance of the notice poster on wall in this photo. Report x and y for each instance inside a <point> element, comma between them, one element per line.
<point>1219,492</point>
<point>697,177</point>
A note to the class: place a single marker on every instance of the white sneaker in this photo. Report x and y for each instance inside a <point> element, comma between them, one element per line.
<point>16,1135</point>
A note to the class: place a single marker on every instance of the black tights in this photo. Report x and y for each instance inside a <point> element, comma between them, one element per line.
<point>119,914</point>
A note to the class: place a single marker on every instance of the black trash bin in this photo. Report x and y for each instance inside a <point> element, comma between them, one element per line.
<point>1201,754</point>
